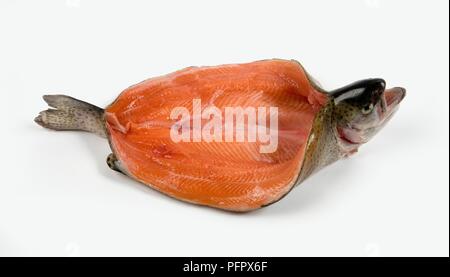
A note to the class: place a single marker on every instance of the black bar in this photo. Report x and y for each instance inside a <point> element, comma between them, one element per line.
<point>232,266</point>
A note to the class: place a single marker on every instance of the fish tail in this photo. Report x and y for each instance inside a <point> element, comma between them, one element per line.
<point>68,113</point>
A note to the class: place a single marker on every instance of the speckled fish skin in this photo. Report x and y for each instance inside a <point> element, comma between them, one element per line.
<point>315,128</point>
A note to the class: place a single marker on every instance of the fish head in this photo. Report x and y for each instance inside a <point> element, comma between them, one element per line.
<point>362,109</point>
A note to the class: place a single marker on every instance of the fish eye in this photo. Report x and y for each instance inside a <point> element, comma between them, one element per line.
<point>367,109</point>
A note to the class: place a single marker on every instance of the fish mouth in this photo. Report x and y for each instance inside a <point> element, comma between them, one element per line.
<point>390,100</point>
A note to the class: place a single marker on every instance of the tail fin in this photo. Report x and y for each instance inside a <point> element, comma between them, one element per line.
<point>71,114</point>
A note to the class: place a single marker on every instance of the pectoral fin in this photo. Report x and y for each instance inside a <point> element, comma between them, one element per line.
<point>115,164</point>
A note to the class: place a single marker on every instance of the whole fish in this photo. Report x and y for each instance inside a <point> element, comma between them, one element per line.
<point>236,137</point>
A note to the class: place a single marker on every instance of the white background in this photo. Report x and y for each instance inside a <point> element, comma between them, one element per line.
<point>58,197</point>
